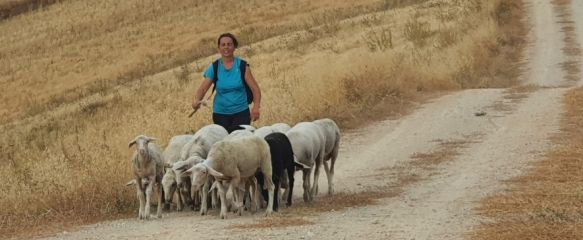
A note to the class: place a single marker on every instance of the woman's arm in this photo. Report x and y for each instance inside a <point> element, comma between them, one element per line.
<point>199,95</point>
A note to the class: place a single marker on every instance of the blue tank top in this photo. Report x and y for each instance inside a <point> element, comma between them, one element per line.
<point>230,97</point>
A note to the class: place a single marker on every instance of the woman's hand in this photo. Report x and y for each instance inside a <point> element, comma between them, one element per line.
<point>255,113</point>
<point>196,104</point>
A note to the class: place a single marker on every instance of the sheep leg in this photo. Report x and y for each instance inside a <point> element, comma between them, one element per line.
<point>189,200</point>
<point>214,199</point>
<point>285,183</point>
<point>327,170</point>
<point>255,196</point>
<point>316,177</point>
<point>223,197</point>
<point>235,196</point>
<point>290,186</point>
<point>186,196</point>
<point>148,197</point>
<point>160,200</point>
<point>241,197</point>
<point>269,184</point>
<point>195,200</point>
<point>238,201</point>
<point>261,188</point>
<point>168,197</point>
<point>276,199</point>
<point>228,194</point>
<point>330,174</point>
<point>247,195</point>
<point>178,198</point>
<point>141,197</point>
<point>306,185</point>
<point>204,193</point>
<point>332,163</point>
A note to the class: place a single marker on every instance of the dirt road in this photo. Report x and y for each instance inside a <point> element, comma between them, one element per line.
<point>491,148</point>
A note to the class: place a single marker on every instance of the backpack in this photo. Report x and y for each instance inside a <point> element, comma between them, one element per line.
<point>242,68</point>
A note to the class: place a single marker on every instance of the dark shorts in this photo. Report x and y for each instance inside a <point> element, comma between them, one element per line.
<point>232,122</point>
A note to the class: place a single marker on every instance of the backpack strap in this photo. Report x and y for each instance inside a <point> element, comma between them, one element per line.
<point>242,68</point>
<point>216,75</point>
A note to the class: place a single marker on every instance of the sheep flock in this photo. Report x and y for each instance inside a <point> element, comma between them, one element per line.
<point>245,170</point>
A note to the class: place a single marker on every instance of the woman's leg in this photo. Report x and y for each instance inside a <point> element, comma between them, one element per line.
<point>242,118</point>
<point>232,122</point>
<point>223,120</point>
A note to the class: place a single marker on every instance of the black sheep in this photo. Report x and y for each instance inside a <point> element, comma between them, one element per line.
<point>282,158</point>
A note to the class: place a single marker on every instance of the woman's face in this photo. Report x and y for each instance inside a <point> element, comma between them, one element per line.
<point>226,47</point>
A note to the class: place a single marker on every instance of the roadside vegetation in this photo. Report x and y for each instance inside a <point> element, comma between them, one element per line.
<point>547,202</point>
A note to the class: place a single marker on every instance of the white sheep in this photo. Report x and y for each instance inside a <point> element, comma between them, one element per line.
<point>148,168</point>
<point>281,127</point>
<point>244,131</point>
<point>233,161</point>
<point>331,133</point>
<point>171,155</point>
<point>239,134</point>
<point>202,141</point>
<point>308,144</point>
<point>195,151</point>
<point>266,130</point>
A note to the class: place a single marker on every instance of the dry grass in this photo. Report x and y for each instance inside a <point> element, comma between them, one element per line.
<point>447,151</point>
<point>513,96</point>
<point>546,203</point>
<point>81,78</point>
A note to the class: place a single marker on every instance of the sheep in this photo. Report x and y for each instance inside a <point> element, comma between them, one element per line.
<point>171,155</point>
<point>244,131</point>
<point>308,144</point>
<point>195,151</point>
<point>281,127</point>
<point>202,141</point>
<point>239,134</point>
<point>266,130</point>
<point>148,167</point>
<point>332,144</point>
<point>282,158</point>
<point>234,160</point>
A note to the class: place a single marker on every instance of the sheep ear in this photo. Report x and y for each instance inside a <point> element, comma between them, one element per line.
<point>151,139</point>
<point>132,143</point>
<point>188,171</point>
<point>214,172</point>
<point>132,182</point>
<point>179,166</point>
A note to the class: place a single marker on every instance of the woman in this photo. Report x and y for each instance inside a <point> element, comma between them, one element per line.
<point>231,107</point>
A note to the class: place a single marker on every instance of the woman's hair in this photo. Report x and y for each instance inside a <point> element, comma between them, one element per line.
<point>229,35</point>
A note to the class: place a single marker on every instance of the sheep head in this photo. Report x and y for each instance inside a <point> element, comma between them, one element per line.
<point>200,173</point>
<point>142,144</point>
<point>168,184</point>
